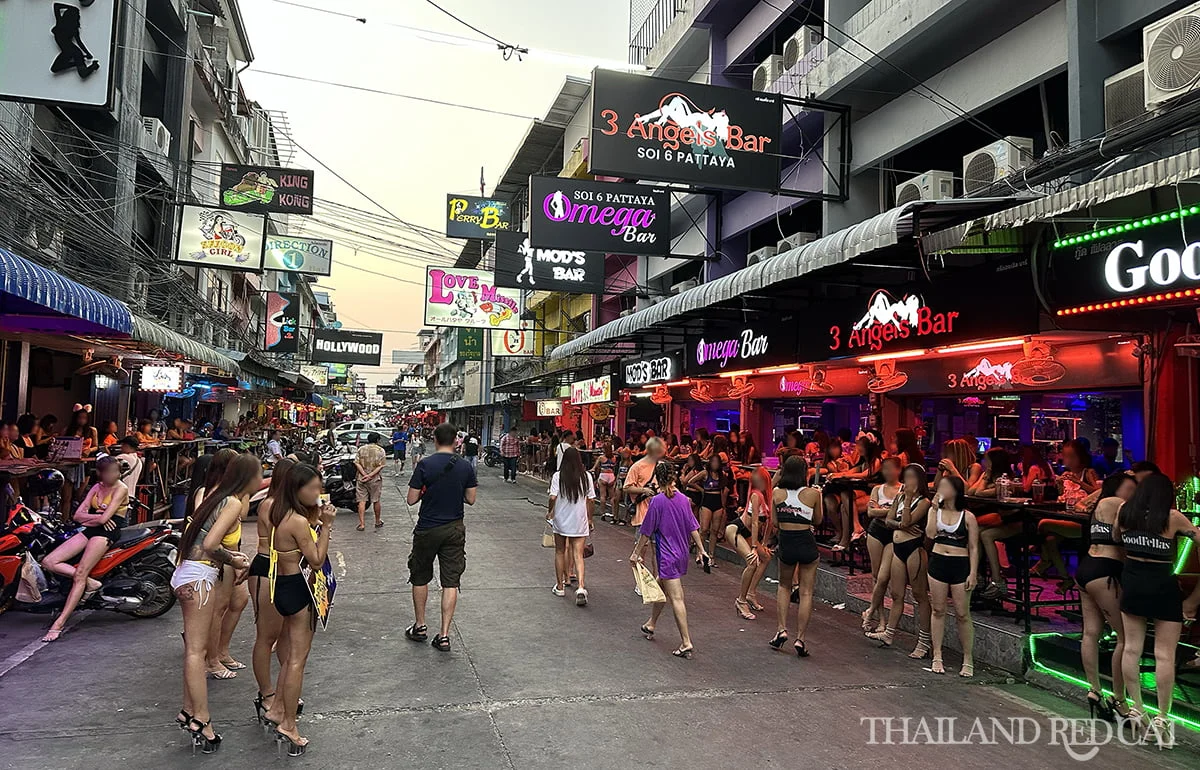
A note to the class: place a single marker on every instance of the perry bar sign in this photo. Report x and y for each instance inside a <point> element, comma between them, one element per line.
<point>674,131</point>
<point>469,216</point>
<point>598,216</point>
<point>266,190</point>
<point>654,370</point>
<point>744,347</point>
<point>337,346</point>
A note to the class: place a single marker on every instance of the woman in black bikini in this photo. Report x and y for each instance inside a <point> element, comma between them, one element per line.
<point>953,567</point>
<point>907,522</point>
<point>795,509</point>
<point>714,493</point>
<point>689,481</point>
<point>294,517</point>
<point>267,620</point>
<point>102,512</point>
<point>879,541</point>
<point>746,533</point>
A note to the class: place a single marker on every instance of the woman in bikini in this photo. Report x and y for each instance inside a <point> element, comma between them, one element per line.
<point>746,533</point>
<point>605,470</point>
<point>102,514</point>
<point>953,567</point>
<point>294,517</point>
<point>879,541</point>
<point>209,542</point>
<point>267,620</point>
<point>229,600</point>
<point>714,494</point>
<point>909,563</point>
<point>795,509</point>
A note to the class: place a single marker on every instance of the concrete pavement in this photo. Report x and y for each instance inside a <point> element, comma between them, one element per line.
<point>532,681</point>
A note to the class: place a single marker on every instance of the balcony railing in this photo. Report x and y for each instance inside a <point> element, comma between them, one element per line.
<point>661,15</point>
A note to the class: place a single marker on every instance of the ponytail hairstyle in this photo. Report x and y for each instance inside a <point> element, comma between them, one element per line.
<point>664,474</point>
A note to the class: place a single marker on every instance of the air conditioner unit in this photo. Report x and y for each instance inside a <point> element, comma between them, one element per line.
<point>800,45</point>
<point>758,255</point>
<point>930,186</point>
<point>683,286</point>
<point>1171,47</point>
<point>997,160</point>
<point>767,73</point>
<point>1125,98</point>
<point>794,241</point>
<point>158,133</point>
<point>625,313</point>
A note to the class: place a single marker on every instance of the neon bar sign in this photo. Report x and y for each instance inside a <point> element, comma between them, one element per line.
<point>745,346</point>
<point>889,319</point>
<point>1166,267</point>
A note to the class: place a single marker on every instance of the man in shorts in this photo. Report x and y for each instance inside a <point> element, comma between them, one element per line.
<point>368,484</point>
<point>442,483</point>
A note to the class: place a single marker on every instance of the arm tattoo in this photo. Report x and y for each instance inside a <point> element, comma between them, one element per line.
<point>222,556</point>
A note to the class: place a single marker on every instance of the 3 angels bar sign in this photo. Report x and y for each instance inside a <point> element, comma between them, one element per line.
<point>58,51</point>
<point>599,216</point>
<point>674,131</point>
<point>988,302</point>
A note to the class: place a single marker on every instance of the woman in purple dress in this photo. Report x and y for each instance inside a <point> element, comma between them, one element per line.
<point>670,522</point>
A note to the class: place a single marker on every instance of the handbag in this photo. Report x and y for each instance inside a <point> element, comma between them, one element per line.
<point>548,536</point>
<point>652,592</point>
<point>588,550</point>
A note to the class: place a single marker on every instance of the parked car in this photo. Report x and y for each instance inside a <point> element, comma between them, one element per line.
<point>360,425</point>
<point>357,438</point>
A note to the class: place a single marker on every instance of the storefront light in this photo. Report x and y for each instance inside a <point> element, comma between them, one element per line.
<point>779,369</point>
<point>889,356</point>
<point>640,394</point>
<point>102,381</point>
<point>742,373</point>
<point>993,345</point>
<point>1104,232</point>
<point>678,383</point>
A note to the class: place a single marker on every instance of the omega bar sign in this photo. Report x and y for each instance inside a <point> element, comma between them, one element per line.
<point>736,348</point>
<point>598,216</point>
<point>655,369</point>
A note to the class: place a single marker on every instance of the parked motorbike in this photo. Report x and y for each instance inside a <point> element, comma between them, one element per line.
<point>339,484</point>
<point>491,456</point>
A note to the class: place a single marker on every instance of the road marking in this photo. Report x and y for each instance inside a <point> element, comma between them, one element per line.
<point>27,652</point>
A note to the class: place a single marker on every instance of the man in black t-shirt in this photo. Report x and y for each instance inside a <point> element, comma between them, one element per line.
<point>442,483</point>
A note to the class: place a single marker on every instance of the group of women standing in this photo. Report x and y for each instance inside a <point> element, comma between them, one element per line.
<point>210,582</point>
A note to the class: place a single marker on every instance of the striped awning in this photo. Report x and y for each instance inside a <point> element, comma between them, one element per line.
<point>37,299</point>
<point>169,341</point>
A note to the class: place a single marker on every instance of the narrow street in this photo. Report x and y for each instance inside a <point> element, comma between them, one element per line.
<point>532,680</point>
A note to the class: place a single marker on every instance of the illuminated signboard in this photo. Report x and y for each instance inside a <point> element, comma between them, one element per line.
<point>162,379</point>
<point>743,346</point>
<point>282,322</point>
<point>319,375</point>
<point>469,216</point>
<point>603,217</point>
<point>267,190</point>
<point>220,239</point>
<point>596,390</point>
<point>654,369</point>
<point>521,266</point>
<point>515,342</point>
<point>461,297</point>
<point>549,408</point>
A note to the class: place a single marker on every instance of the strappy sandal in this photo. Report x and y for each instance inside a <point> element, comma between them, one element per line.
<point>233,665</point>
<point>186,718</point>
<point>779,640</point>
<point>200,740</point>
<point>868,620</point>
<point>224,673</point>
<point>260,710</point>
<point>967,671</point>
<point>648,632</point>
<point>441,643</point>
<point>801,649</point>
<point>682,653</point>
<point>743,610</point>
<point>754,605</point>
<point>295,746</point>
<point>937,667</point>
<point>415,633</point>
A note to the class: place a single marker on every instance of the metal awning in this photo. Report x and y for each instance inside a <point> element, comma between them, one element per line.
<point>36,299</point>
<point>887,229</point>
<point>171,342</point>
<point>555,379</point>
<point>1160,173</point>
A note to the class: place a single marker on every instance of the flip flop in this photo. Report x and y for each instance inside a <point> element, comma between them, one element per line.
<point>378,524</point>
<point>53,635</point>
<point>360,527</point>
<point>223,674</point>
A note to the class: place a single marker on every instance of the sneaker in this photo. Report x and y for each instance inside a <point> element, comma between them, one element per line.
<point>558,591</point>
<point>581,598</point>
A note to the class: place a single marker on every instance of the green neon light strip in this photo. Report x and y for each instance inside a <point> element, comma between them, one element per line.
<point>1133,224</point>
<point>1065,677</point>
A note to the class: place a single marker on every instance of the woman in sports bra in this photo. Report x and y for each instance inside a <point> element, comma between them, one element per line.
<point>689,481</point>
<point>907,522</point>
<point>605,469</point>
<point>294,517</point>
<point>795,509</point>
<point>747,533</point>
<point>953,567</point>
<point>879,540</point>
<point>203,549</point>
<point>1147,527</point>
<point>714,491</point>
<point>102,514</point>
<point>268,623</point>
<point>1099,579</point>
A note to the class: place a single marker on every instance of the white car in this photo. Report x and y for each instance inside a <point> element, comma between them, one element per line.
<point>360,425</point>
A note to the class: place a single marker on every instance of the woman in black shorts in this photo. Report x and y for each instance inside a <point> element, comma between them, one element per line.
<point>268,623</point>
<point>953,567</point>
<point>689,481</point>
<point>1147,528</point>
<point>714,491</point>
<point>879,541</point>
<point>102,514</point>
<point>796,508</point>
<point>907,522</point>
<point>294,516</point>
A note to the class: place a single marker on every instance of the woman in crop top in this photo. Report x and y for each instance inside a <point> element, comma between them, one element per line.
<point>713,483</point>
<point>879,541</point>
<point>102,515</point>
<point>624,462</point>
<point>1099,578</point>
<point>268,623</point>
<point>301,528</point>
<point>605,470</point>
<point>689,481</point>
<point>746,533</point>
<point>907,522</point>
<point>1147,527</point>
<point>203,550</point>
<point>953,567</point>
<point>796,508</point>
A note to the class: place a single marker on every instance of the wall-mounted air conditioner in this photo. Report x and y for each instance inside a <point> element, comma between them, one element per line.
<point>990,164</point>
<point>1171,47</point>
<point>930,186</point>
<point>799,45</point>
<point>625,313</point>
<point>158,134</point>
<point>683,286</point>
<point>767,73</point>
<point>1125,98</point>
<point>794,241</point>
<point>758,255</point>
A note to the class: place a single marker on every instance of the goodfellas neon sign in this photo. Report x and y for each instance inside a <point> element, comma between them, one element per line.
<point>1126,271</point>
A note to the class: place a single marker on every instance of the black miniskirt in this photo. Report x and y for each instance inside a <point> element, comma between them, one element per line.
<point>1150,589</point>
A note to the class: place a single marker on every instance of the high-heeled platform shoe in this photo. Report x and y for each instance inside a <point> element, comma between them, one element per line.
<point>294,749</point>
<point>201,741</point>
<point>260,711</point>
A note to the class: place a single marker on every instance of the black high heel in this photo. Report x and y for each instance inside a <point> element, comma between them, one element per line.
<point>183,723</point>
<point>779,640</point>
<point>200,740</point>
<point>261,711</point>
<point>801,649</point>
<point>1098,707</point>
<point>293,749</point>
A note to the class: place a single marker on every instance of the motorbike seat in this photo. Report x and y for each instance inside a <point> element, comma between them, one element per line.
<point>131,535</point>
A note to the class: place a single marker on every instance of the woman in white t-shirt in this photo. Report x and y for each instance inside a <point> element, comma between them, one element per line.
<point>572,496</point>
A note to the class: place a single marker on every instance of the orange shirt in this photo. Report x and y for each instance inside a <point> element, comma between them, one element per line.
<point>640,475</point>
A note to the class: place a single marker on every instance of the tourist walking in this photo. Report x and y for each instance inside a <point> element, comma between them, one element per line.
<point>510,453</point>
<point>442,483</point>
<point>669,522</point>
<point>368,484</point>
<point>399,447</point>
<point>572,497</point>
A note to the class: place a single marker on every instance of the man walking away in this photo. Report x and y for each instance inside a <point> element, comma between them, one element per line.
<point>510,452</point>
<point>274,448</point>
<point>399,447</point>
<point>441,482</point>
<point>471,449</point>
<point>368,486</point>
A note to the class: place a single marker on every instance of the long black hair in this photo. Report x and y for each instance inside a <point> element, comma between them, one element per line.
<point>278,479</point>
<point>907,444</point>
<point>199,473</point>
<point>1149,509</point>
<point>1113,483</point>
<point>572,481</point>
<point>241,471</point>
<point>999,463</point>
<point>794,474</point>
<point>216,469</point>
<point>960,489</point>
<point>298,476</point>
